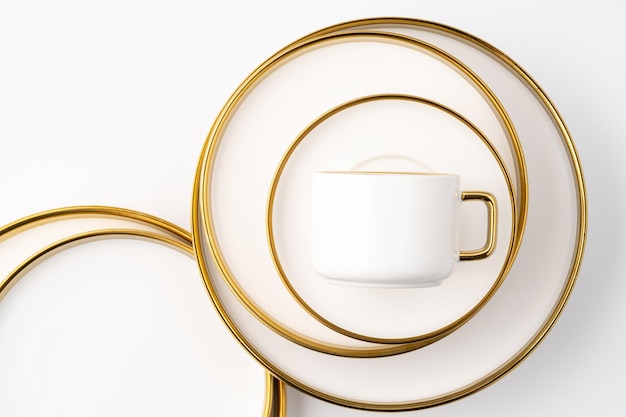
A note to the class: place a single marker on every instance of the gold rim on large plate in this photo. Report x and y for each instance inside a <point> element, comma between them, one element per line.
<point>202,201</point>
<point>168,234</point>
<point>571,160</point>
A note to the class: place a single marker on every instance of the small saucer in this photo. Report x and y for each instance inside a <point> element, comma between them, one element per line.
<point>393,133</point>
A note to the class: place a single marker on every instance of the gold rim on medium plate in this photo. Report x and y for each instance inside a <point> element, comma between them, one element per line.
<point>202,201</point>
<point>269,219</point>
<point>171,235</point>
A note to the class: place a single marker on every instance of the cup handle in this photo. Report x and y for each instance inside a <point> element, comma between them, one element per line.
<point>490,245</point>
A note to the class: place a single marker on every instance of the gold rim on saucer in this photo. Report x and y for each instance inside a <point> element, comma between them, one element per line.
<point>269,219</point>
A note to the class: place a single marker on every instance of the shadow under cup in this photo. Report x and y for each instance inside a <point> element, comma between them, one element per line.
<point>390,229</point>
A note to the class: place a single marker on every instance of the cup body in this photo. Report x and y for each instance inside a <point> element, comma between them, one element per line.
<point>384,229</point>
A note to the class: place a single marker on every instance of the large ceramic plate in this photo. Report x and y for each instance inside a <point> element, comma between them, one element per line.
<point>514,320</point>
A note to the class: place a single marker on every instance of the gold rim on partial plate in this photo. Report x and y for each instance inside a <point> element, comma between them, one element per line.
<point>269,219</point>
<point>202,202</point>
<point>169,235</point>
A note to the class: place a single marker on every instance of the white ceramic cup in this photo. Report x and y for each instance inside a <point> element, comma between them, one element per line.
<point>390,229</point>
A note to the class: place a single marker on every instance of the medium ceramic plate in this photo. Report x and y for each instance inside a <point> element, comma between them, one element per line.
<point>514,320</point>
<point>246,155</point>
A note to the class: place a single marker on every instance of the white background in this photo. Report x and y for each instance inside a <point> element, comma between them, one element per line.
<point>109,103</point>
